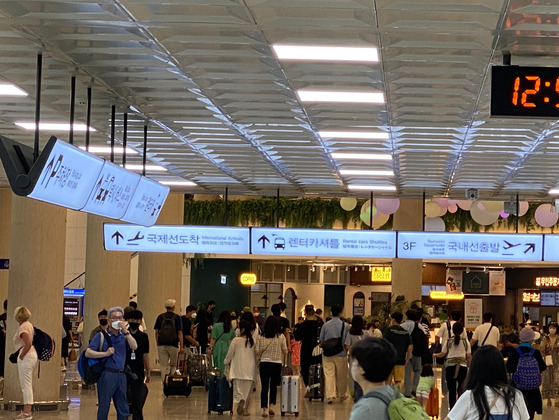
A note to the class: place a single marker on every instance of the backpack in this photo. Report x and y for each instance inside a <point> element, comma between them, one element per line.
<point>527,376</point>
<point>168,332</point>
<point>44,345</point>
<point>420,341</point>
<point>90,369</point>
<point>400,407</point>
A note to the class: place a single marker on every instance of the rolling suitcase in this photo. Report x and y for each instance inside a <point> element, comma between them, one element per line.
<point>432,408</point>
<point>197,367</point>
<point>316,383</point>
<point>177,383</point>
<point>220,395</point>
<point>290,395</point>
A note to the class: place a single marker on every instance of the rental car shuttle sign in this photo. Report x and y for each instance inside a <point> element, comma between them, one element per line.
<point>470,246</point>
<point>327,243</point>
<point>192,239</point>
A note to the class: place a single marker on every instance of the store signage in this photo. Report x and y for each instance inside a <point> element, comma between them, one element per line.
<point>321,242</point>
<point>248,279</point>
<point>146,203</point>
<point>531,297</point>
<point>191,239</point>
<point>68,177</point>
<point>452,246</point>
<point>381,274</point>
<point>473,311</point>
<point>442,294</point>
<point>547,281</point>
<point>74,292</point>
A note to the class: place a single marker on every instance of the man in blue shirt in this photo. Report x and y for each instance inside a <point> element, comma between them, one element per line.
<point>112,383</point>
<point>335,366</point>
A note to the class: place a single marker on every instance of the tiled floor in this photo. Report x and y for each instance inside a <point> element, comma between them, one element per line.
<point>83,406</point>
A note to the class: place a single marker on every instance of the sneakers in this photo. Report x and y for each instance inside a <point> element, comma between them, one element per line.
<point>329,400</point>
<point>23,415</point>
<point>241,408</point>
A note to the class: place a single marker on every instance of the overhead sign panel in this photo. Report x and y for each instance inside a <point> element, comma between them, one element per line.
<point>551,248</point>
<point>112,192</point>
<point>68,176</point>
<point>470,246</point>
<point>192,239</point>
<point>326,243</point>
<point>146,203</point>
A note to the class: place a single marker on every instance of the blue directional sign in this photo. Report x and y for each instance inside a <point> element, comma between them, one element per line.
<point>191,239</point>
<point>322,242</point>
<point>551,248</point>
<point>452,246</point>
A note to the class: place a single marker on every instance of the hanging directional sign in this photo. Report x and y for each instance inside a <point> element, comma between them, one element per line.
<point>452,246</point>
<point>112,192</point>
<point>146,203</point>
<point>321,242</point>
<point>191,239</point>
<point>551,248</point>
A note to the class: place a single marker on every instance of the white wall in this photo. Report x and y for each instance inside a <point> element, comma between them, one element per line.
<point>307,292</point>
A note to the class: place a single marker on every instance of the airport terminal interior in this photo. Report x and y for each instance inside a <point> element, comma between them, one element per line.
<point>369,154</point>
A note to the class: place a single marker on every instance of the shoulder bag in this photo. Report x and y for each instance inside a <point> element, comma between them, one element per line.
<point>333,346</point>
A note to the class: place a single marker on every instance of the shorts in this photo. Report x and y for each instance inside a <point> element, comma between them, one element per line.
<point>398,373</point>
<point>422,394</point>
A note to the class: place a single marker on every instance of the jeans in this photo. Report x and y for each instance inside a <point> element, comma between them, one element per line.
<point>413,365</point>
<point>168,356</point>
<point>455,385</point>
<point>112,385</point>
<point>270,375</point>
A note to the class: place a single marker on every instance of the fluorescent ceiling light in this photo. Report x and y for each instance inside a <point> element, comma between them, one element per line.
<point>324,53</point>
<point>340,96</point>
<point>107,150</point>
<point>354,135</point>
<point>372,187</point>
<point>554,192</point>
<point>365,172</point>
<point>139,167</point>
<point>361,156</point>
<point>7,89</point>
<point>53,126</point>
<point>178,183</point>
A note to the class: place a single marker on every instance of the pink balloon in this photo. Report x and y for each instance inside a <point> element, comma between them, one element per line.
<point>523,207</point>
<point>464,204</point>
<point>443,211</point>
<point>546,216</point>
<point>503,214</point>
<point>387,205</point>
<point>443,202</point>
<point>453,208</point>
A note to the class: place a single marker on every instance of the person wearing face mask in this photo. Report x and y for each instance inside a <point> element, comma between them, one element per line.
<point>112,382</point>
<point>103,324</point>
<point>550,376</point>
<point>138,361</point>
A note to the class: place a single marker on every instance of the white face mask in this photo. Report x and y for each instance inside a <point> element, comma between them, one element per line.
<point>115,325</point>
<point>552,330</point>
<point>193,315</point>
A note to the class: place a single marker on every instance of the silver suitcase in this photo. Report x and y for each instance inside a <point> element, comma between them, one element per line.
<point>290,395</point>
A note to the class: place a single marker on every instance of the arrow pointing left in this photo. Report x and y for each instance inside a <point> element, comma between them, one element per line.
<point>118,236</point>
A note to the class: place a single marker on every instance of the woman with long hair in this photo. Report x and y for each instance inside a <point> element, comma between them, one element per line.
<point>488,394</point>
<point>356,333</point>
<point>458,353</point>
<point>222,334</point>
<point>270,348</point>
<point>241,360</point>
<point>550,377</point>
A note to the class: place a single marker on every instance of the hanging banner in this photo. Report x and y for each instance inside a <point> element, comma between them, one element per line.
<point>453,282</point>
<point>473,313</point>
<point>497,283</point>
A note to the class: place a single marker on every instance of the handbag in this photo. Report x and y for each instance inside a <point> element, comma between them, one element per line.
<point>333,346</point>
<point>72,356</point>
<point>13,357</point>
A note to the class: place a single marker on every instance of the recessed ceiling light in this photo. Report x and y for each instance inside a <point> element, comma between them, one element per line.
<point>7,89</point>
<point>178,183</point>
<point>107,150</point>
<point>139,167</point>
<point>354,134</point>
<point>325,53</point>
<point>361,156</point>
<point>372,187</point>
<point>554,192</point>
<point>340,96</point>
<point>365,172</point>
<point>43,126</point>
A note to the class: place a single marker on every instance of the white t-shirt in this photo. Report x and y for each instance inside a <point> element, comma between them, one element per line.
<point>459,350</point>
<point>493,337</point>
<point>443,332</point>
<point>465,408</point>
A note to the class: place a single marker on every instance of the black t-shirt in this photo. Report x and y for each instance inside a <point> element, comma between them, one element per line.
<point>204,320</point>
<point>186,327</point>
<point>283,324</point>
<point>401,340</point>
<point>3,319</point>
<point>137,365</point>
<point>307,333</point>
<point>178,324</point>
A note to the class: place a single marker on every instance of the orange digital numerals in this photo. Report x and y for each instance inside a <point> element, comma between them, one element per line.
<point>524,95</point>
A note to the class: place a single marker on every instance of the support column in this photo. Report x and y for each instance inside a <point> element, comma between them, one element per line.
<point>407,274</point>
<point>36,280</point>
<point>160,275</point>
<point>5,221</point>
<point>107,275</point>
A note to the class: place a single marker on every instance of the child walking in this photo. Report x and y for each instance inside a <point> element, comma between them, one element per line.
<point>426,382</point>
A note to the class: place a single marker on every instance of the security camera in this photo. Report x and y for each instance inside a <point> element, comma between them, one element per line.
<point>472,194</point>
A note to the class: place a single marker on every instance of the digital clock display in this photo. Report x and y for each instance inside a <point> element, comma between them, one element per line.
<point>525,92</point>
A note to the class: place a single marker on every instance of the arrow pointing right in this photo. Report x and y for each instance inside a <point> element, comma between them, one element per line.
<point>118,236</point>
<point>530,247</point>
<point>263,239</point>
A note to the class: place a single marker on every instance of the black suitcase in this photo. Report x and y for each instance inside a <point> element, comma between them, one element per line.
<point>220,395</point>
<point>316,383</point>
<point>176,385</point>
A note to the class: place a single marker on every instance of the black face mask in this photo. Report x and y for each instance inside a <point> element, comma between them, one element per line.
<point>134,325</point>
<point>103,322</point>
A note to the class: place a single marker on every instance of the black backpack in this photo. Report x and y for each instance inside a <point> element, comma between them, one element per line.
<point>168,335</point>
<point>420,341</point>
<point>44,345</point>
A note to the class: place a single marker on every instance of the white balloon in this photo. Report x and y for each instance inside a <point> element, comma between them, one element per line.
<point>482,216</point>
<point>432,209</point>
<point>348,203</point>
<point>434,224</point>
<point>493,206</point>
